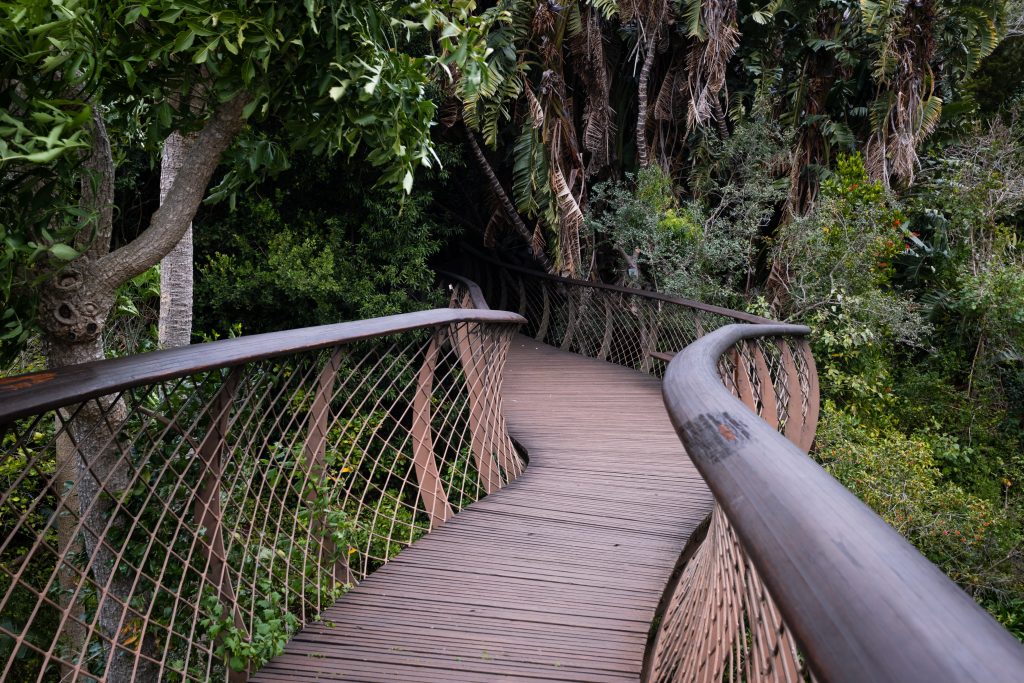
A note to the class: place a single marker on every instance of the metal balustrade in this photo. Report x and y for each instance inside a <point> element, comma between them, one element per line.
<point>176,515</point>
<point>792,577</point>
<point>180,514</point>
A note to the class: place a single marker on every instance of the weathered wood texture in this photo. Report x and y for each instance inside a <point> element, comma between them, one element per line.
<point>555,577</point>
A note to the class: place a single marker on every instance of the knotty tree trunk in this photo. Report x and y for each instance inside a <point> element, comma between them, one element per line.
<point>74,306</point>
<point>176,274</point>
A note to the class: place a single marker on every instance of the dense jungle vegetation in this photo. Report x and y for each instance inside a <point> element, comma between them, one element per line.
<point>854,166</point>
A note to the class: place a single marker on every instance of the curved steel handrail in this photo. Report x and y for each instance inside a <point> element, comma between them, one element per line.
<point>36,392</point>
<point>861,601</point>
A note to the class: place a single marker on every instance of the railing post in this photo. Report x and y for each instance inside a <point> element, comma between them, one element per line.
<point>810,423</point>
<point>794,409</point>
<point>315,450</point>
<point>206,508</point>
<point>741,379</point>
<point>545,318</point>
<point>435,500</point>
<point>769,404</point>
<point>606,338</point>
<point>649,342</point>
<point>572,315</point>
<point>472,350</point>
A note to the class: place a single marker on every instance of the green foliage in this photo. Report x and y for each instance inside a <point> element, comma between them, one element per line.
<point>272,626</point>
<point>331,76</point>
<point>840,263</point>
<point>324,248</point>
<point>705,248</point>
<point>132,326</point>
<point>975,541</point>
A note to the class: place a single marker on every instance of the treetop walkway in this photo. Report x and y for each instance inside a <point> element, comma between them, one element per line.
<point>462,494</point>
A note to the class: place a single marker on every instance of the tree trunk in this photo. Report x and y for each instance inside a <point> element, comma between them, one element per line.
<point>74,306</point>
<point>506,203</point>
<point>176,275</point>
<point>642,152</point>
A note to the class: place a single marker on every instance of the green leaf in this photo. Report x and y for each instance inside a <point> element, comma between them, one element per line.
<point>63,252</point>
<point>44,157</point>
<point>183,41</point>
<point>133,14</point>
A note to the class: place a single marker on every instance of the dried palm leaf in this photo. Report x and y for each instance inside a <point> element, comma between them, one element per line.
<point>571,222</point>
<point>536,110</point>
<point>715,41</point>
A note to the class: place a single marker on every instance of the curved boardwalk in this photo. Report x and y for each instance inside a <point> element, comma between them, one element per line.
<point>553,578</point>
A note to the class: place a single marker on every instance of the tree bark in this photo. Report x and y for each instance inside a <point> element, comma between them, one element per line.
<point>643,155</point>
<point>176,274</point>
<point>74,306</point>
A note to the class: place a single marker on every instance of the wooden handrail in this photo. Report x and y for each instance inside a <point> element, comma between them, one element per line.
<point>39,391</point>
<point>475,293</point>
<point>862,602</point>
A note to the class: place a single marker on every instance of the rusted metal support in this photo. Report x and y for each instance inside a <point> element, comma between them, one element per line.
<point>315,451</point>
<point>432,494</point>
<point>606,338</point>
<point>769,404</point>
<point>472,354</point>
<point>572,314</point>
<point>206,508</point>
<point>741,378</point>
<point>649,337</point>
<point>794,427</point>
<point>813,398</point>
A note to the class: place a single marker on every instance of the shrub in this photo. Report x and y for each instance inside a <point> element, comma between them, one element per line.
<point>977,543</point>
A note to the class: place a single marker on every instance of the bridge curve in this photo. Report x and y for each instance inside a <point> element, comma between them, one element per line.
<point>557,576</point>
<point>179,515</point>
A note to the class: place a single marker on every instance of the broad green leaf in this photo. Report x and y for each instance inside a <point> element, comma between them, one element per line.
<point>63,252</point>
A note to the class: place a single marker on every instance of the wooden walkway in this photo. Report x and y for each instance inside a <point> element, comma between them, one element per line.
<point>555,577</point>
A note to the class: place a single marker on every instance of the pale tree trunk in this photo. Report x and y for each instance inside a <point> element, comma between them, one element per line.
<point>74,306</point>
<point>176,275</point>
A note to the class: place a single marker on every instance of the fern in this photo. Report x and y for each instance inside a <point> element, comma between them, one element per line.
<point>607,8</point>
<point>692,19</point>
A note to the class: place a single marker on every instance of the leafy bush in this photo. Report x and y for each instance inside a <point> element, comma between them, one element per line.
<point>977,543</point>
<point>839,262</point>
<point>320,248</point>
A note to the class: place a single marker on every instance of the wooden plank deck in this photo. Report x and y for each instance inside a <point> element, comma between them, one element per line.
<point>555,577</point>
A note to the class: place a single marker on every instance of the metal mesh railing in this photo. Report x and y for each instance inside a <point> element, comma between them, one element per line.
<point>718,620</point>
<point>631,327</point>
<point>177,515</point>
<point>795,578</point>
<point>644,331</point>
